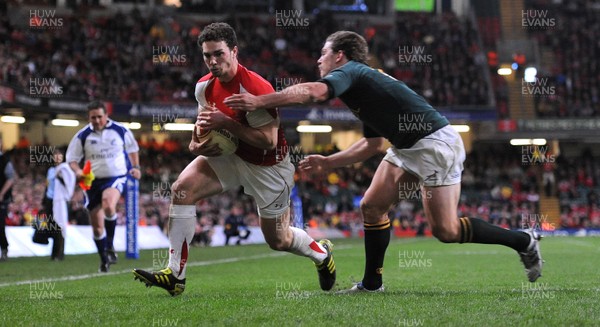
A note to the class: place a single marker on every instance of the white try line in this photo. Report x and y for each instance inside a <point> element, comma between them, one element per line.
<point>126,271</point>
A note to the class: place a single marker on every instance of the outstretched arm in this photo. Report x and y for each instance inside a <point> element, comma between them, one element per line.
<point>299,94</point>
<point>357,152</point>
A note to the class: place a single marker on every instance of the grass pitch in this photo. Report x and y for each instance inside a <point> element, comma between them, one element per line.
<point>427,284</point>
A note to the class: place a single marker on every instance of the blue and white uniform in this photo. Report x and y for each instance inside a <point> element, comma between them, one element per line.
<point>108,152</point>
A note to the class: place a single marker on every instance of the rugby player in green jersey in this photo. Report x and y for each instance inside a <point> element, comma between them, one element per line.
<point>426,151</point>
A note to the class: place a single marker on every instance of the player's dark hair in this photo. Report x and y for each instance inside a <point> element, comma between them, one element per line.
<point>353,45</point>
<point>96,105</point>
<point>218,32</point>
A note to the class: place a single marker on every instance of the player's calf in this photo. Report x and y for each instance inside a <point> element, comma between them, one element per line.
<point>278,244</point>
<point>446,233</point>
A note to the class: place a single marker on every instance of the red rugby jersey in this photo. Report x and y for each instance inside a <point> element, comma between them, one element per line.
<point>209,90</point>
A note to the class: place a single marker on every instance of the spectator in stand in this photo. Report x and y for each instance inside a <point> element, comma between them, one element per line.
<point>548,178</point>
<point>23,142</point>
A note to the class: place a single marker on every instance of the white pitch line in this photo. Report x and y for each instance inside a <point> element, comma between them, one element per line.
<point>112,273</point>
<point>191,264</point>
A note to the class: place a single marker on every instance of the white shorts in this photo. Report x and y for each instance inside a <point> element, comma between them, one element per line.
<point>437,159</point>
<point>270,186</point>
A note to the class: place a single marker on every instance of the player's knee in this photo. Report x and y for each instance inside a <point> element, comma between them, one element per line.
<point>372,213</point>
<point>179,189</point>
<point>108,209</point>
<point>106,205</point>
<point>445,234</point>
<point>177,186</point>
<point>98,231</point>
<point>277,244</point>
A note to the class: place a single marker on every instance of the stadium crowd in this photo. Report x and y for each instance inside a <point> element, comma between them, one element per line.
<point>496,187</point>
<point>156,59</point>
<point>576,73</point>
<point>578,191</point>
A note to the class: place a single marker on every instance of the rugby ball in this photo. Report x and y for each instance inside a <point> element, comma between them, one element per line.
<point>227,142</point>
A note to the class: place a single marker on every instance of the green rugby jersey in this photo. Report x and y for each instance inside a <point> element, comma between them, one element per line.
<point>385,105</point>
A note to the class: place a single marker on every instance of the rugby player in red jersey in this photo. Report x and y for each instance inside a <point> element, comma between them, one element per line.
<point>260,164</point>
